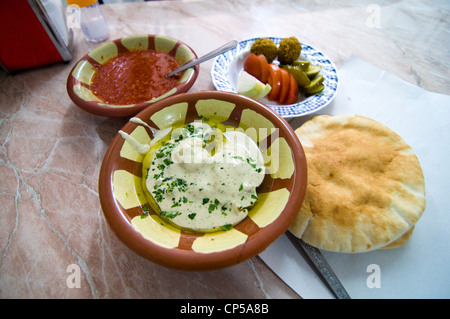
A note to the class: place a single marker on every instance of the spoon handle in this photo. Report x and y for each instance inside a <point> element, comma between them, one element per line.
<point>210,55</point>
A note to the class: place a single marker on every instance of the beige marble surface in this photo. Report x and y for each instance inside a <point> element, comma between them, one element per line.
<point>51,151</point>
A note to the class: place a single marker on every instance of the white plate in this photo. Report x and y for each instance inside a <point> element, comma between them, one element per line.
<point>227,67</point>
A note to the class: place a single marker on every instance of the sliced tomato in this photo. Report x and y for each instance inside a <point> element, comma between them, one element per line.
<point>274,81</point>
<point>285,79</point>
<point>252,65</point>
<point>264,69</point>
<point>292,95</point>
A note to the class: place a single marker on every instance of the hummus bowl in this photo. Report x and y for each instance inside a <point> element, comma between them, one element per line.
<point>280,196</point>
<point>80,84</point>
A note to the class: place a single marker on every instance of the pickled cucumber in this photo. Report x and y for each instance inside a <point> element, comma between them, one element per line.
<point>315,86</point>
<point>304,65</point>
<point>314,90</point>
<point>306,75</point>
<point>313,70</point>
<point>300,77</point>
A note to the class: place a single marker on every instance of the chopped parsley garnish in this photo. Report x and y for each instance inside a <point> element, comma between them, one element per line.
<point>170,215</point>
<point>159,194</point>
<point>179,138</point>
<point>190,128</point>
<point>213,206</point>
<point>249,160</point>
<point>180,184</point>
<point>145,211</point>
<point>226,227</point>
<point>176,204</point>
<point>167,161</point>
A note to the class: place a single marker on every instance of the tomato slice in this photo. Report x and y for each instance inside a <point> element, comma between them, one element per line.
<point>274,81</point>
<point>252,65</point>
<point>292,95</point>
<point>285,79</point>
<point>264,68</point>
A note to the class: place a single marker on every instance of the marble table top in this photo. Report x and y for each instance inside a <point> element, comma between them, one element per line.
<point>51,150</point>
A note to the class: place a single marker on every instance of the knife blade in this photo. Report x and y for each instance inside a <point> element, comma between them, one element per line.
<point>319,264</point>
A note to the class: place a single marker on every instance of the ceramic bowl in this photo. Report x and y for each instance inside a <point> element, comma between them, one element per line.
<point>279,196</point>
<point>79,79</point>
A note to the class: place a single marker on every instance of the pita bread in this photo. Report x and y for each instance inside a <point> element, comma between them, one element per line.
<point>365,189</point>
<point>401,241</point>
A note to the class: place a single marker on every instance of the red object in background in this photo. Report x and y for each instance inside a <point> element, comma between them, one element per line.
<point>28,37</point>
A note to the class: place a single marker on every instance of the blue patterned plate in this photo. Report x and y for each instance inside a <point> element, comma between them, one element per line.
<point>227,67</point>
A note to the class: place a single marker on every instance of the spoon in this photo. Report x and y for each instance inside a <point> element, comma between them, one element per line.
<point>210,55</point>
<point>157,134</point>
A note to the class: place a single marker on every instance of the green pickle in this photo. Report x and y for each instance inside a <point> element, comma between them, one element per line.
<point>304,65</point>
<point>306,75</point>
<point>315,86</point>
<point>299,75</point>
<point>315,90</point>
<point>313,71</point>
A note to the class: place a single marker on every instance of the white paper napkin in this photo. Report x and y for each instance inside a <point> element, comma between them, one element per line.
<point>420,268</point>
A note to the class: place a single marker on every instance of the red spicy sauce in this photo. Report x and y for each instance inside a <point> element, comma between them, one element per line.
<point>134,77</point>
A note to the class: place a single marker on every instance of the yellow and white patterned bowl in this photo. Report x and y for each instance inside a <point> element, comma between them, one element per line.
<point>80,77</point>
<point>279,197</point>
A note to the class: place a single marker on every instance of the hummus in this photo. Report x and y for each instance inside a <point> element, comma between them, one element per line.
<point>203,178</point>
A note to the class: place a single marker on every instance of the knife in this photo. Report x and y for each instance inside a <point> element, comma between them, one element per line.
<point>320,265</point>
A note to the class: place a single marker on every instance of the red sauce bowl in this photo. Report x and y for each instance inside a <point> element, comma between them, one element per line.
<point>79,81</point>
